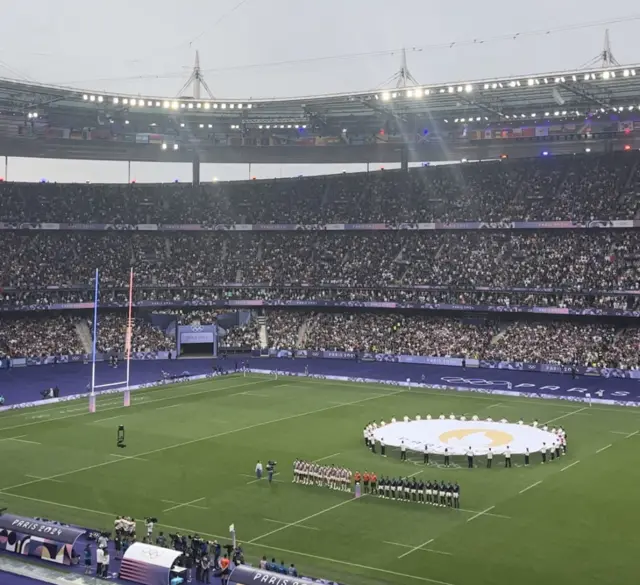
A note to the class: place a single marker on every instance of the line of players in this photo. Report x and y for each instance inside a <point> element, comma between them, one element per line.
<point>312,473</point>
<point>407,489</point>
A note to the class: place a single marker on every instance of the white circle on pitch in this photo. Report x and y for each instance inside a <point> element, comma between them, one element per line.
<point>457,436</point>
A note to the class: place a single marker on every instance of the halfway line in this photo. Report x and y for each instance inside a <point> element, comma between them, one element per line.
<point>603,448</point>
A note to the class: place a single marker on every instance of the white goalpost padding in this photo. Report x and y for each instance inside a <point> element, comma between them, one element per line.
<point>125,382</point>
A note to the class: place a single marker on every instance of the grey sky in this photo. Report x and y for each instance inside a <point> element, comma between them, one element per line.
<point>147,47</point>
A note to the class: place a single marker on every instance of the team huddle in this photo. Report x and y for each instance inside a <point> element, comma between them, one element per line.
<point>411,490</point>
<point>310,473</point>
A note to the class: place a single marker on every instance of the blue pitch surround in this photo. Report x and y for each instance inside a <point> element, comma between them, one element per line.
<point>24,384</point>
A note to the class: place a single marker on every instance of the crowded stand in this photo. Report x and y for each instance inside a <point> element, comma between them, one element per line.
<point>565,188</point>
<point>572,261</point>
<point>112,331</point>
<point>559,342</point>
<point>39,336</point>
<point>397,334</point>
<point>242,336</point>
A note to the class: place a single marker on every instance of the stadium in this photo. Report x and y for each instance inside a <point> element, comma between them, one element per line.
<point>170,354</point>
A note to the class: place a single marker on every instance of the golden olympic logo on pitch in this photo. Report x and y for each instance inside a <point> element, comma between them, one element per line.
<point>498,438</point>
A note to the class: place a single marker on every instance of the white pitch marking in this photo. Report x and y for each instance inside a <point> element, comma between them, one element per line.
<point>186,506</point>
<point>570,465</point>
<point>136,399</point>
<point>127,457</point>
<point>43,478</point>
<point>182,505</point>
<point>12,438</point>
<point>327,457</point>
<point>632,435</point>
<point>603,448</point>
<point>264,477</point>
<point>21,440</point>
<point>209,437</point>
<point>620,433</point>
<point>169,406</point>
<point>263,536</point>
<point>567,414</point>
<point>439,552</point>
<point>415,548</point>
<point>286,523</point>
<point>480,513</point>
<point>529,487</point>
<point>494,405</point>
<point>217,536</point>
<point>99,420</point>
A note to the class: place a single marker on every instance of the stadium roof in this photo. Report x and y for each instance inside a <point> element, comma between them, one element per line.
<point>569,93</point>
<point>431,121</point>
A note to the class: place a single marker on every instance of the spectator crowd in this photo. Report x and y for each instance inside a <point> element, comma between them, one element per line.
<point>579,188</point>
<point>554,268</point>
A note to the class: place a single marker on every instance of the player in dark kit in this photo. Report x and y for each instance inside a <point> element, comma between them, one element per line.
<point>382,487</point>
<point>414,490</point>
<point>421,491</point>
<point>456,495</point>
<point>431,491</point>
<point>393,486</point>
<point>450,495</point>
<point>442,488</point>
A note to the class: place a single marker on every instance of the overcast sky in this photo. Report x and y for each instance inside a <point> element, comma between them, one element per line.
<point>274,48</point>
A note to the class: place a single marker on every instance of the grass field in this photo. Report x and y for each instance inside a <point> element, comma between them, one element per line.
<point>191,450</point>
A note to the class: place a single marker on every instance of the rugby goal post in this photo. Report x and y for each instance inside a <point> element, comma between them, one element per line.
<point>128,336</point>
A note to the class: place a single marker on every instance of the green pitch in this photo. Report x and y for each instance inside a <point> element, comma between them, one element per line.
<point>192,448</point>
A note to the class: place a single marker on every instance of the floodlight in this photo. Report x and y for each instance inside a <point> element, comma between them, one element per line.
<point>207,106</point>
<point>175,147</point>
<point>92,98</point>
<point>198,105</point>
<point>141,102</point>
<point>166,105</point>
<point>223,106</point>
<point>115,100</point>
<point>164,147</point>
<point>606,75</point>
<point>174,105</point>
<point>231,106</point>
<point>468,88</point>
<point>427,91</point>
<point>85,97</point>
<point>100,99</point>
<point>191,106</point>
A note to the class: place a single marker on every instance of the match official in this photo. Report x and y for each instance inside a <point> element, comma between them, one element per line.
<point>489,458</point>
